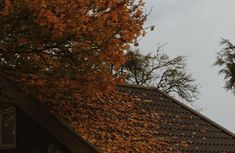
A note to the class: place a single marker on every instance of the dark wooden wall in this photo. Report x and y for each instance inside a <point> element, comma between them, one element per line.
<point>31,137</point>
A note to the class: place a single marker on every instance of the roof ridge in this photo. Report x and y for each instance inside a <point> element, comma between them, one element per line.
<point>181,104</point>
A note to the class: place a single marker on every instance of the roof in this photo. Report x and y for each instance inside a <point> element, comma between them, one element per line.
<point>143,119</point>
<point>54,125</point>
<point>183,124</point>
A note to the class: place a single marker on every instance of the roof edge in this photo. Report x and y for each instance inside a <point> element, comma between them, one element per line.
<point>64,123</point>
<point>181,104</point>
<point>41,113</point>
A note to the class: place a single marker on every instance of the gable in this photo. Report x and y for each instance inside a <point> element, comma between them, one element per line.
<point>54,125</point>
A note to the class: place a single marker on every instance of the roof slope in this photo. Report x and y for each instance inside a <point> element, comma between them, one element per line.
<point>153,123</point>
<point>145,124</point>
<point>112,124</point>
<point>181,124</point>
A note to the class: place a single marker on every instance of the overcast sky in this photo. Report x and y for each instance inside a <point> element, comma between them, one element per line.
<point>194,28</point>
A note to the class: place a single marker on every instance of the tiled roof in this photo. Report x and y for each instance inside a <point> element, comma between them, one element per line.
<point>117,125</point>
<point>155,123</point>
<point>144,123</point>
<point>181,124</point>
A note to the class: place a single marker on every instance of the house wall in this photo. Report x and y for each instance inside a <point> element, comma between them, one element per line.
<point>32,138</point>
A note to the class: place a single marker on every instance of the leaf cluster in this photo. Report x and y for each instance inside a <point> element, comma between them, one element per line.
<point>45,43</point>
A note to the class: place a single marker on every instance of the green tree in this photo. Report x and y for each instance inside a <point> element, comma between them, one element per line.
<point>159,70</point>
<point>226,61</point>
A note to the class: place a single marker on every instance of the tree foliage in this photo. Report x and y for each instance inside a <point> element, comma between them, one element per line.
<point>54,46</point>
<point>60,52</point>
<point>169,75</point>
<point>226,60</point>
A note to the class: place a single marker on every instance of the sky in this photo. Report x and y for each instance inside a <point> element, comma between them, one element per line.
<point>194,28</point>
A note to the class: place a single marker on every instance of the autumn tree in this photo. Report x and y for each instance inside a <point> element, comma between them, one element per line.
<point>55,46</point>
<point>161,71</point>
<point>60,51</point>
<point>226,61</point>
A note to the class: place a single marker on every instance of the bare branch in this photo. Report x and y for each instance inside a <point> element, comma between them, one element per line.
<point>161,71</point>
